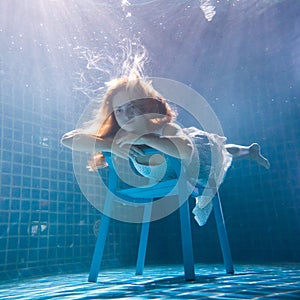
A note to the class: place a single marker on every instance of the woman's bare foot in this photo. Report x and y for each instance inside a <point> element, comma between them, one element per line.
<point>254,154</point>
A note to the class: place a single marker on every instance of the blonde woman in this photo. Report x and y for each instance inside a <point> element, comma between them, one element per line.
<point>134,116</point>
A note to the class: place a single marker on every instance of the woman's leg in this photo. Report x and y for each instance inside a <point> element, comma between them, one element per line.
<point>249,152</point>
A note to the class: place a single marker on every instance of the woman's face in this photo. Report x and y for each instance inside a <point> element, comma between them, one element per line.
<point>128,115</point>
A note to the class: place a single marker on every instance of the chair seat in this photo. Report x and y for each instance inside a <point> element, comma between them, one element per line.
<point>161,189</point>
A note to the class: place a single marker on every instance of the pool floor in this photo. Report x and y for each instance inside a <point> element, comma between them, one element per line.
<point>164,282</point>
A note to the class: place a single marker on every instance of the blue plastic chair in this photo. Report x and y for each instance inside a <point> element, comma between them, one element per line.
<point>161,189</point>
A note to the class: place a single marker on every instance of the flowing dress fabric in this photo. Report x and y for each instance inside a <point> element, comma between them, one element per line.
<point>213,160</point>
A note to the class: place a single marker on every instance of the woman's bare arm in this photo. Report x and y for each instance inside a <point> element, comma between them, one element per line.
<point>80,141</point>
<point>171,141</point>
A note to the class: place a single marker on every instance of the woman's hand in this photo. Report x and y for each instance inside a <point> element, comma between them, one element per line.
<point>126,151</point>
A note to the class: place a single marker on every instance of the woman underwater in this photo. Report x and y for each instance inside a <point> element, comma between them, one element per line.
<point>133,115</point>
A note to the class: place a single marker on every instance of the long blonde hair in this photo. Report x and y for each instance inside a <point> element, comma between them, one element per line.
<point>150,101</point>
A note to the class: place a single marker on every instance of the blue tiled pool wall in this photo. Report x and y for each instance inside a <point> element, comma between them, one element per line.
<point>262,206</point>
<point>45,220</point>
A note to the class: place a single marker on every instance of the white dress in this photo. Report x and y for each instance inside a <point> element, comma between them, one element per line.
<point>214,161</point>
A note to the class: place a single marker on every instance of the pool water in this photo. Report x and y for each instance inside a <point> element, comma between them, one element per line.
<point>241,56</point>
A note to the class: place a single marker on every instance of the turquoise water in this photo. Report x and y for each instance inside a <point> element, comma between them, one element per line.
<point>244,60</point>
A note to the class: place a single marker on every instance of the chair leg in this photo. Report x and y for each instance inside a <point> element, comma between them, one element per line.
<point>103,229</point>
<point>102,234</point>
<point>186,238</point>
<point>143,240</point>
<point>99,248</point>
<point>221,227</point>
